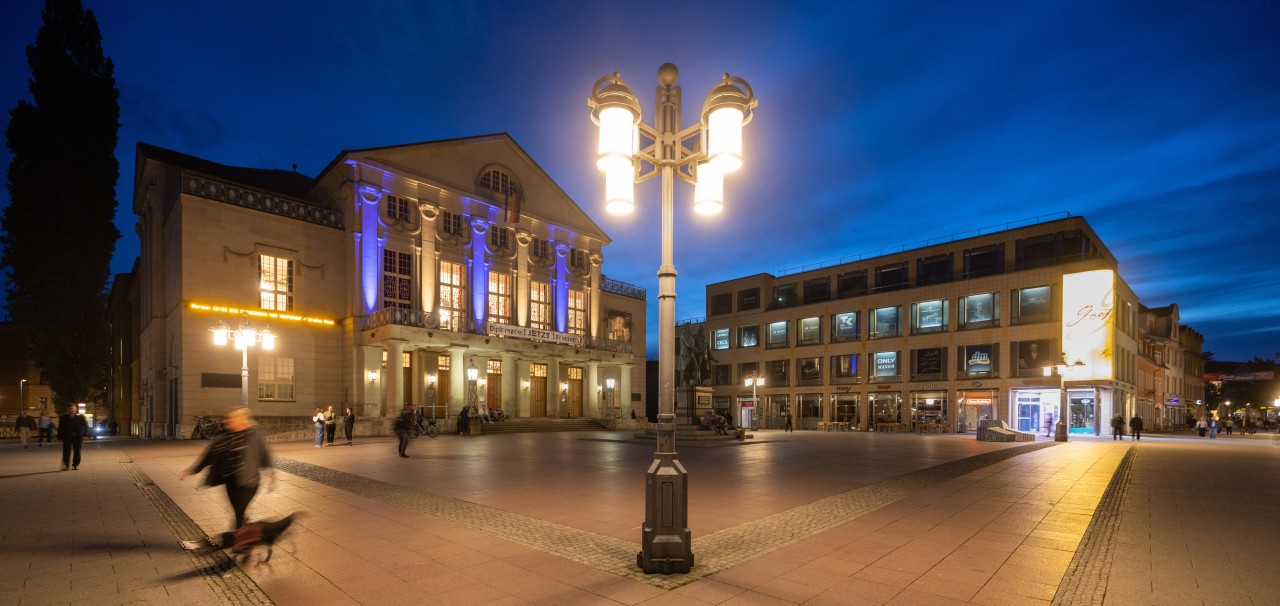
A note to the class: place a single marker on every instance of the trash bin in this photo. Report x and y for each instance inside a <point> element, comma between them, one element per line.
<point>741,434</point>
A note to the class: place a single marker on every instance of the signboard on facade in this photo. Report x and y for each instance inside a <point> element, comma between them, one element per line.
<point>1088,299</point>
<point>1266,375</point>
<point>534,334</point>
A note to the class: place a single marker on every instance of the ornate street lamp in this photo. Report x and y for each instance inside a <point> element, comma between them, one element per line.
<point>1062,368</point>
<point>244,337</point>
<point>609,400</point>
<point>700,154</point>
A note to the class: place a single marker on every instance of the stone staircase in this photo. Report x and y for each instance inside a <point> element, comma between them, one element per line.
<point>529,425</point>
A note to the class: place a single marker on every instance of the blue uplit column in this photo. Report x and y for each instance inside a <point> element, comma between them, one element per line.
<point>370,245</point>
<point>479,273</point>
<point>561,287</point>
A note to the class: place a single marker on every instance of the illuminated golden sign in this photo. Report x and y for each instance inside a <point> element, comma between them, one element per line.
<point>1088,300</point>
<point>262,313</point>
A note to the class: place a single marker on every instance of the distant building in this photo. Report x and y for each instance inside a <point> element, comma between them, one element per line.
<point>21,384</point>
<point>386,278</point>
<point>946,335</point>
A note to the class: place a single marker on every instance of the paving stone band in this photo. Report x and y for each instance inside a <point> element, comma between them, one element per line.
<point>1085,581</point>
<point>229,583</point>
<point>715,552</point>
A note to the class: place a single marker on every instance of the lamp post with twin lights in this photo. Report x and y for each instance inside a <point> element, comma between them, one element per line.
<point>1062,368</point>
<point>701,154</point>
<point>245,336</point>
<point>754,381</point>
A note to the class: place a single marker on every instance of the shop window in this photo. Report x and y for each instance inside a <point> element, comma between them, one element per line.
<point>844,409</point>
<point>1035,355</point>
<point>784,296</point>
<point>937,269</point>
<point>930,407</point>
<point>984,261</point>
<point>720,338</point>
<point>884,367</point>
<point>885,408</point>
<point>749,299</point>
<point>809,371</point>
<point>720,374</point>
<point>844,369</point>
<point>1034,304</point>
<point>809,331</point>
<point>809,406</point>
<point>817,290</point>
<point>979,311</point>
<point>884,322</point>
<point>778,375</point>
<point>929,316</point>
<point>721,304</point>
<point>891,277</point>
<point>851,284</point>
<point>977,361</point>
<point>749,336</point>
<point>928,364</point>
<point>778,335</point>
<point>844,327</point>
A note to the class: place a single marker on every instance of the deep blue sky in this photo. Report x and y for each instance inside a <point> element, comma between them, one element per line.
<point>879,125</point>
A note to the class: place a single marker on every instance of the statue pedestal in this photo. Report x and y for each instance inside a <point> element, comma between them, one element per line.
<point>692,403</point>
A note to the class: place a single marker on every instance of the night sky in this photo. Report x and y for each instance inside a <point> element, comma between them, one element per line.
<point>880,124</point>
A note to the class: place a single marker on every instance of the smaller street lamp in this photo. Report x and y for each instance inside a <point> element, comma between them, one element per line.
<point>608,384</point>
<point>1062,368</point>
<point>22,394</point>
<point>753,382</point>
<point>244,337</point>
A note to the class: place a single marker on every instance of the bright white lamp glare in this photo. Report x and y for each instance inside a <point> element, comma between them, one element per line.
<point>708,192</point>
<point>724,141</point>
<point>617,136</point>
<point>268,338</point>
<point>619,185</point>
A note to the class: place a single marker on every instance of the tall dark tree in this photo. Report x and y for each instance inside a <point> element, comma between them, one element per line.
<point>58,233</point>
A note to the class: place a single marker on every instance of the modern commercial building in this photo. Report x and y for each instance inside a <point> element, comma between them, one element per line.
<point>444,274</point>
<point>944,335</point>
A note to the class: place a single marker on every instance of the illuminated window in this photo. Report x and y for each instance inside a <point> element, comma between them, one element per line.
<point>397,279</point>
<point>398,208</point>
<point>980,310</point>
<point>451,223</point>
<point>777,334</point>
<point>884,322</point>
<point>275,378</point>
<point>1033,304</point>
<point>452,293</point>
<point>749,336</point>
<point>577,312</point>
<point>809,331</point>
<point>499,297</point>
<point>929,316</point>
<point>844,327</point>
<point>539,305</point>
<point>720,338</point>
<point>275,283</point>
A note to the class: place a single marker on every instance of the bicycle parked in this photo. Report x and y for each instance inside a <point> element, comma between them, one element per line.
<point>207,428</point>
<point>423,426</point>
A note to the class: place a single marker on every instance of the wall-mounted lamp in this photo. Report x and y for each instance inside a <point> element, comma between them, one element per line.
<point>484,381</point>
<point>609,382</point>
<point>431,380</point>
<point>525,384</point>
<point>564,386</point>
<point>373,375</point>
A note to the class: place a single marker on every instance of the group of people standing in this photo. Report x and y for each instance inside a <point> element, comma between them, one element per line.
<point>326,422</point>
<point>1135,427</point>
<point>71,429</point>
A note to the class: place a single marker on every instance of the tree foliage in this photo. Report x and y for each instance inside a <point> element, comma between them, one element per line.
<point>58,233</point>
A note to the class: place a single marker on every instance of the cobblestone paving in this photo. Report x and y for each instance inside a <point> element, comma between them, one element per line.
<point>1085,581</point>
<point>229,583</point>
<point>713,553</point>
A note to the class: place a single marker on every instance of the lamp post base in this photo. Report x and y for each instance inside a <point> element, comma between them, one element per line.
<point>1060,433</point>
<point>666,544</point>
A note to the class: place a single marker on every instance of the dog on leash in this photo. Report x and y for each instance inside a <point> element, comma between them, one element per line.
<point>244,540</point>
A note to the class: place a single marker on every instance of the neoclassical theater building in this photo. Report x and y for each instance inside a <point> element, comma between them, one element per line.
<point>443,274</point>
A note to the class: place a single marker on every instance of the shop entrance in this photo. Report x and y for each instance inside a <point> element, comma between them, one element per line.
<point>845,409</point>
<point>974,406</point>
<point>1083,407</point>
<point>886,410</point>
<point>747,413</point>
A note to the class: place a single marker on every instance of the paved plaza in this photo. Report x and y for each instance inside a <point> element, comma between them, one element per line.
<point>787,518</point>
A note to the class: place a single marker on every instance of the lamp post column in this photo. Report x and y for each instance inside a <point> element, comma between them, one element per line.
<point>1064,408</point>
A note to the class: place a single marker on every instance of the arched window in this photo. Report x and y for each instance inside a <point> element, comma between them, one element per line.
<point>499,182</point>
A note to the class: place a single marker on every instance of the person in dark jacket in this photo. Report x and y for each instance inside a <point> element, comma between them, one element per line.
<point>1117,427</point>
<point>402,426</point>
<point>1135,427</point>
<point>348,424</point>
<point>24,426</point>
<point>235,460</point>
<point>72,428</point>
<point>330,425</point>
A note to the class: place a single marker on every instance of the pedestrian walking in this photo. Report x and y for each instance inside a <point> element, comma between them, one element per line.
<point>464,422</point>
<point>1048,424</point>
<point>1231,424</point>
<point>318,420</point>
<point>44,427</point>
<point>401,427</point>
<point>1202,426</point>
<point>789,427</point>
<point>349,424</point>
<point>1135,427</point>
<point>72,428</point>
<point>1213,429</point>
<point>1117,427</point>
<point>24,425</point>
<point>330,425</point>
<point>235,460</point>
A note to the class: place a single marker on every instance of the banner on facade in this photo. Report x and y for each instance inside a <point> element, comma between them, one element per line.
<point>1265,375</point>
<point>534,334</point>
<point>1088,299</point>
